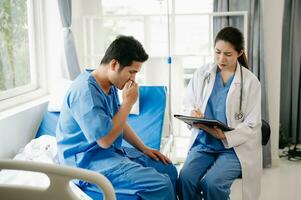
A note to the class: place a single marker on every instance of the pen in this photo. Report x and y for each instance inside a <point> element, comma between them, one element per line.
<point>197,110</point>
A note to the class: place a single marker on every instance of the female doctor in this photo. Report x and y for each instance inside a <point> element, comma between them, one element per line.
<point>227,91</point>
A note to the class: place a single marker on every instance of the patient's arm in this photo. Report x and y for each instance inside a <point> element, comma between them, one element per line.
<point>130,94</point>
<point>131,137</point>
<point>118,123</point>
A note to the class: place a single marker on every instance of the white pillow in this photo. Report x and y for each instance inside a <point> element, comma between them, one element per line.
<point>57,94</point>
<point>135,109</point>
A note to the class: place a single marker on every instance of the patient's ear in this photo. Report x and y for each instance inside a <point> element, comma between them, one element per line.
<point>114,65</point>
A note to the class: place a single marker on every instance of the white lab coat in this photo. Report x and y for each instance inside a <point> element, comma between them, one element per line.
<point>246,137</point>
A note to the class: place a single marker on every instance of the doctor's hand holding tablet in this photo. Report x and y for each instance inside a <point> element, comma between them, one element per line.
<point>214,131</point>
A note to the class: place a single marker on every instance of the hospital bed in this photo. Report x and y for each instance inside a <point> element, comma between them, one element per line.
<point>148,124</point>
<point>59,185</point>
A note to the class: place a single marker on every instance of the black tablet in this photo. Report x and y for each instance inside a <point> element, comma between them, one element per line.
<point>208,122</point>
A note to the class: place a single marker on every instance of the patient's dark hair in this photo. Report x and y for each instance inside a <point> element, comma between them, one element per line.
<point>236,38</point>
<point>125,49</point>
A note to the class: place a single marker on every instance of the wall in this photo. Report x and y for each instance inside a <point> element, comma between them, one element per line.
<point>19,125</point>
<point>272,19</point>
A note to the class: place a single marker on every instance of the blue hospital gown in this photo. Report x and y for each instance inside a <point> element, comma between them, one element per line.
<point>215,109</point>
<point>86,116</point>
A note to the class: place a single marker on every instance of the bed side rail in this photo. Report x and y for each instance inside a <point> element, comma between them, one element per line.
<point>59,177</point>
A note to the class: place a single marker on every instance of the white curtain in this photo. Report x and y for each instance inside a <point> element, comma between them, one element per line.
<point>72,69</point>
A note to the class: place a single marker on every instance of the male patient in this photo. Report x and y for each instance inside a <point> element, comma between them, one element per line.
<point>92,125</point>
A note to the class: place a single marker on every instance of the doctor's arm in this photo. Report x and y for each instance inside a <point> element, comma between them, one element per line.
<point>251,125</point>
<point>215,132</point>
<point>244,131</point>
<point>131,137</point>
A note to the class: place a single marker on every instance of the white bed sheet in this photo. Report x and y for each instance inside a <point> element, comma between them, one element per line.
<point>42,149</point>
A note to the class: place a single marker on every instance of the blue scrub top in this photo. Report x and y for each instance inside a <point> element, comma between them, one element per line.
<point>85,117</point>
<point>215,109</point>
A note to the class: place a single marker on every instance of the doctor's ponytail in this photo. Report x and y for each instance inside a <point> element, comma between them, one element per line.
<point>243,60</point>
<point>236,38</point>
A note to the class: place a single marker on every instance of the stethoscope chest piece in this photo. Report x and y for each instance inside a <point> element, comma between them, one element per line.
<point>238,116</point>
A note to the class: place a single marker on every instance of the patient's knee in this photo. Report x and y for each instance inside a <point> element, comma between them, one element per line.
<point>172,172</point>
<point>168,185</point>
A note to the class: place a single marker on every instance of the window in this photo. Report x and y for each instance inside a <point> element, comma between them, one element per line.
<point>19,36</point>
<point>145,20</point>
<point>181,29</point>
<point>185,33</point>
<point>148,22</point>
<point>14,51</point>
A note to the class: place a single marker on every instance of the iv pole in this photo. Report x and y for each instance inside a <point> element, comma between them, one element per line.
<point>169,61</point>
<point>170,140</point>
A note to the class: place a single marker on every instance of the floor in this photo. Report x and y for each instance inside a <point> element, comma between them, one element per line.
<point>278,183</point>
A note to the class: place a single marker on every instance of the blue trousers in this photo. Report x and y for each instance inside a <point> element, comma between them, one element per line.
<point>131,172</point>
<point>208,175</point>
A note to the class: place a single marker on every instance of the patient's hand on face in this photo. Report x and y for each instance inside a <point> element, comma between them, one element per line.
<point>130,93</point>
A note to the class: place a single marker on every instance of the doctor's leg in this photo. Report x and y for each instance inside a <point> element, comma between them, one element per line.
<point>218,179</point>
<point>194,168</point>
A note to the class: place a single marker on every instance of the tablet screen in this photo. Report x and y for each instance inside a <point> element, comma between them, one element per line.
<point>208,122</point>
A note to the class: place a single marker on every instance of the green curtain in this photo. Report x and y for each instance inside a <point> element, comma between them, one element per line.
<point>290,96</point>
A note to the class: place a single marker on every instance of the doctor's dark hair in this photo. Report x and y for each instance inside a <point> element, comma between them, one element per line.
<point>236,38</point>
<point>125,49</point>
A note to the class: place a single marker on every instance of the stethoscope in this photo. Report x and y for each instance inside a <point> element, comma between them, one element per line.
<point>238,115</point>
